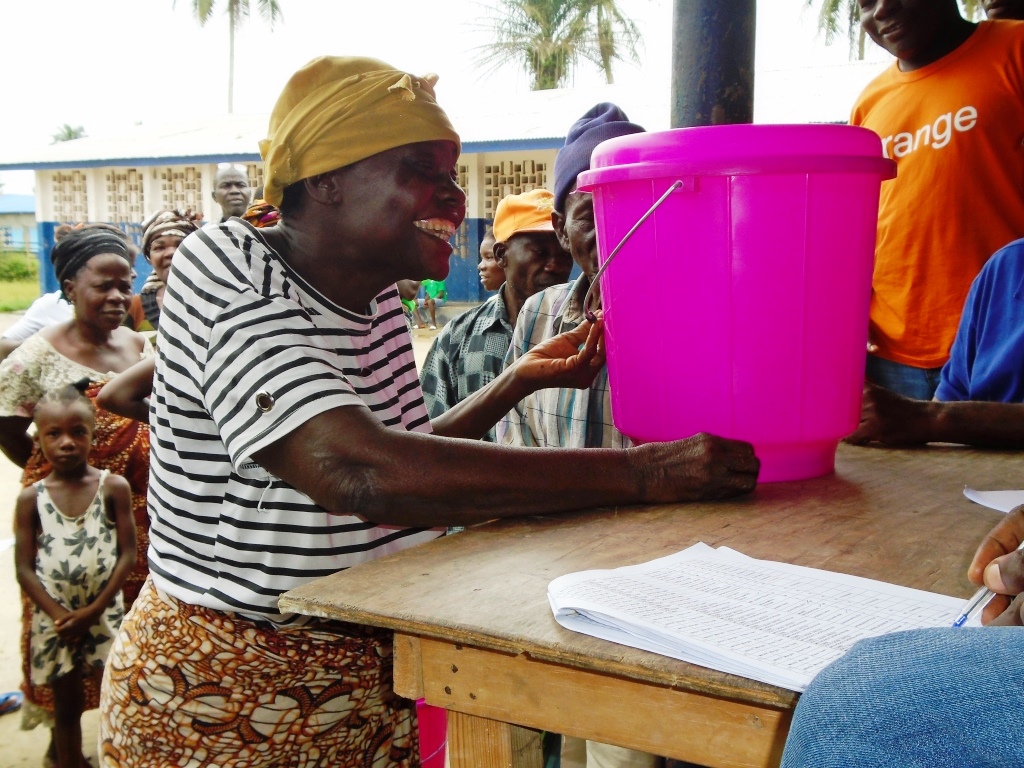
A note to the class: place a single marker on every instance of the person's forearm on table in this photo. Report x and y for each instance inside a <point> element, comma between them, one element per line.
<point>982,424</point>
<point>403,478</point>
<point>352,464</point>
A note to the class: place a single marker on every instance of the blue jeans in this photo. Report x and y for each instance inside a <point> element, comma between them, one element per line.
<point>931,698</point>
<point>906,380</point>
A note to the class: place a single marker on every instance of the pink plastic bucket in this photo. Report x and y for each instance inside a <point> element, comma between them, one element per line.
<point>433,726</point>
<point>740,307</point>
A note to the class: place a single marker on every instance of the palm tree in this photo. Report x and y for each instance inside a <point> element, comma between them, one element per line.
<point>612,30</point>
<point>837,17</point>
<point>549,38</point>
<point>68,133</point>
<point>237,12</point>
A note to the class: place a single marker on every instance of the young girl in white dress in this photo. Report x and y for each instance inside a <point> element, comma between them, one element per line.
<point>74,547</point>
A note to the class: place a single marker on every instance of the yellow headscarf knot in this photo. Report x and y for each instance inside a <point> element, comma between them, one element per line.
<point>336,111</point>
<point>406,85</point>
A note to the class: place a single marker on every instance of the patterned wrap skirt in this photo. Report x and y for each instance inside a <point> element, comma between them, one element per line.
<point>187,685</point>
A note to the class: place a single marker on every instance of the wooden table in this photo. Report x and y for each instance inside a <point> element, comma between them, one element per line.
<point>475,634</point>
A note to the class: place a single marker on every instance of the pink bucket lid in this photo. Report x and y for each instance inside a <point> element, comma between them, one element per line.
<point>738,150</point>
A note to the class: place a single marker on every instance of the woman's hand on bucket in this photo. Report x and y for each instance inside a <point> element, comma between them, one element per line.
<point>569,360</point>
<point>700,468</point>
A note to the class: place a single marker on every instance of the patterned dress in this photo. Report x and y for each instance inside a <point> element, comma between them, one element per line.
<point>120,445</point>
<point>74,559</point>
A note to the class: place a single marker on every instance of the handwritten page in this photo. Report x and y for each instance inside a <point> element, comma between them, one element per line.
<point>768,621</point>
<point>1001,501</point>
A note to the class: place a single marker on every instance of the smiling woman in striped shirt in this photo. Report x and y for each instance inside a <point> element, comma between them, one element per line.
<point>290,440</point>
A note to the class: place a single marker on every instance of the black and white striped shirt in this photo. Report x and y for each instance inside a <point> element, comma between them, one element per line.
<point>248,351</point>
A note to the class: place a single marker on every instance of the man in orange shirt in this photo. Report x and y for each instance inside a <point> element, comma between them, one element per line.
<point>950,112</point>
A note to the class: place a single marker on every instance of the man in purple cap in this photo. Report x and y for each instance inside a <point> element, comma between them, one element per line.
<point>572,418</point>
<point>550,417</point>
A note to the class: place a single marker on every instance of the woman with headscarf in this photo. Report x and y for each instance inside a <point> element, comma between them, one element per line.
<point>94,269</point>
<point>292,442</point>
<point>161,236</point>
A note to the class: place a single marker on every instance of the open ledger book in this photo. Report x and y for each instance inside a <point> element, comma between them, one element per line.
<point>768,621</point>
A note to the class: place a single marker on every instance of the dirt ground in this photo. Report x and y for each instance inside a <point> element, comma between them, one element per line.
<point>25,748</point>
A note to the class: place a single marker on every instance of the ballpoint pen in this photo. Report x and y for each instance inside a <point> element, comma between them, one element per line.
<point>977,602</point>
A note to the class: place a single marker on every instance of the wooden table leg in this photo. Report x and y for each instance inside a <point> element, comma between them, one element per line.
<point>476,742</point>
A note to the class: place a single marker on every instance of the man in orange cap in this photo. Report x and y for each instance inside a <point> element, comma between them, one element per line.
<point>470,350</point>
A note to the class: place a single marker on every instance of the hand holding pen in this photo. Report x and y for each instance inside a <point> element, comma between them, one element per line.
<point>999,566</point>
<point>979,601</point>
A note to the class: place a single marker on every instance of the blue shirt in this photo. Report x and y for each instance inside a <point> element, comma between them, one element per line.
<point>987,358</point>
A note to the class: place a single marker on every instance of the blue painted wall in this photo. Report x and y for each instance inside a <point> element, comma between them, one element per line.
<point>47,278</point>
<point>463,281</point>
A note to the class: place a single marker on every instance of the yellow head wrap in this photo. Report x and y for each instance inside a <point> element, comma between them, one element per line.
<point>336,111</point>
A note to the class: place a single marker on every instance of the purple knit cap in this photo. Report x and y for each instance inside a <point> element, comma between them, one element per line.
<point>602,121</point>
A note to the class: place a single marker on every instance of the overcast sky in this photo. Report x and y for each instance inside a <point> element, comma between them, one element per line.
<point>113,63</point>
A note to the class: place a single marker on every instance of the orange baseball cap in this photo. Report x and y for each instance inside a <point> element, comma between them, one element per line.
<point>528,212</point>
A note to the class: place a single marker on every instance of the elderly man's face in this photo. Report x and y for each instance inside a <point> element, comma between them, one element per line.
<point>576,231</point>
<point>231,191</point>
<point>532,262</point>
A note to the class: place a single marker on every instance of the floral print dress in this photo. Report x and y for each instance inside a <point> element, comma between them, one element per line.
<point>121,445</point>
<point>74,559</point>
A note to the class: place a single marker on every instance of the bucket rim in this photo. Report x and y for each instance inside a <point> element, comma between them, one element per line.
<point>807,165</point>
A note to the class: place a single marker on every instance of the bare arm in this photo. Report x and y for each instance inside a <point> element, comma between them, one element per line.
<point>15,442</point>
<point>352,464</point>
<point>127,394</point>
<point>891,419</point>
<point>7,346</point>
<point>25,529</point>
<point>557,362</point>
<point>985,425</point>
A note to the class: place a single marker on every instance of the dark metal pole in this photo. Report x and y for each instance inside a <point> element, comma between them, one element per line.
<point>712,62</point>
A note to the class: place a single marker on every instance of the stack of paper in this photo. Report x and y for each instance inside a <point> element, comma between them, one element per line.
<point>768,621</point>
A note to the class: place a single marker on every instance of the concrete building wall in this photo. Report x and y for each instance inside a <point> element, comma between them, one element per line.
<point>127,195</point>
<point>18,231</point>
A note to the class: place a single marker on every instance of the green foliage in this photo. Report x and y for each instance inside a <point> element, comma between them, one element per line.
<point>17,295</point>
<point>19,265</point>
<point>68,133</point>
<point>237,10</point>
<point>549,38</point>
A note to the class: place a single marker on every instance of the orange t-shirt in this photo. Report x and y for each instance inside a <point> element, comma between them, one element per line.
<point>954,129</point>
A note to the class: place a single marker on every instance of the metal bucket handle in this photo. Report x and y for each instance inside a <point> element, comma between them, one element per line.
<point>677,184</point>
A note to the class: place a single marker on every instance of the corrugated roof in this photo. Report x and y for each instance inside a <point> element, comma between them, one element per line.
<point>503,121</point>
<point>17,204</point>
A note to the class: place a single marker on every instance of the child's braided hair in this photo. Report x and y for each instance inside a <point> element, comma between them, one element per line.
<point>68,394</point>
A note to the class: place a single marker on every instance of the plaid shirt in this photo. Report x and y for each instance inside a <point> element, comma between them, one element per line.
<point>566,418</point>
<point>468,353</point>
